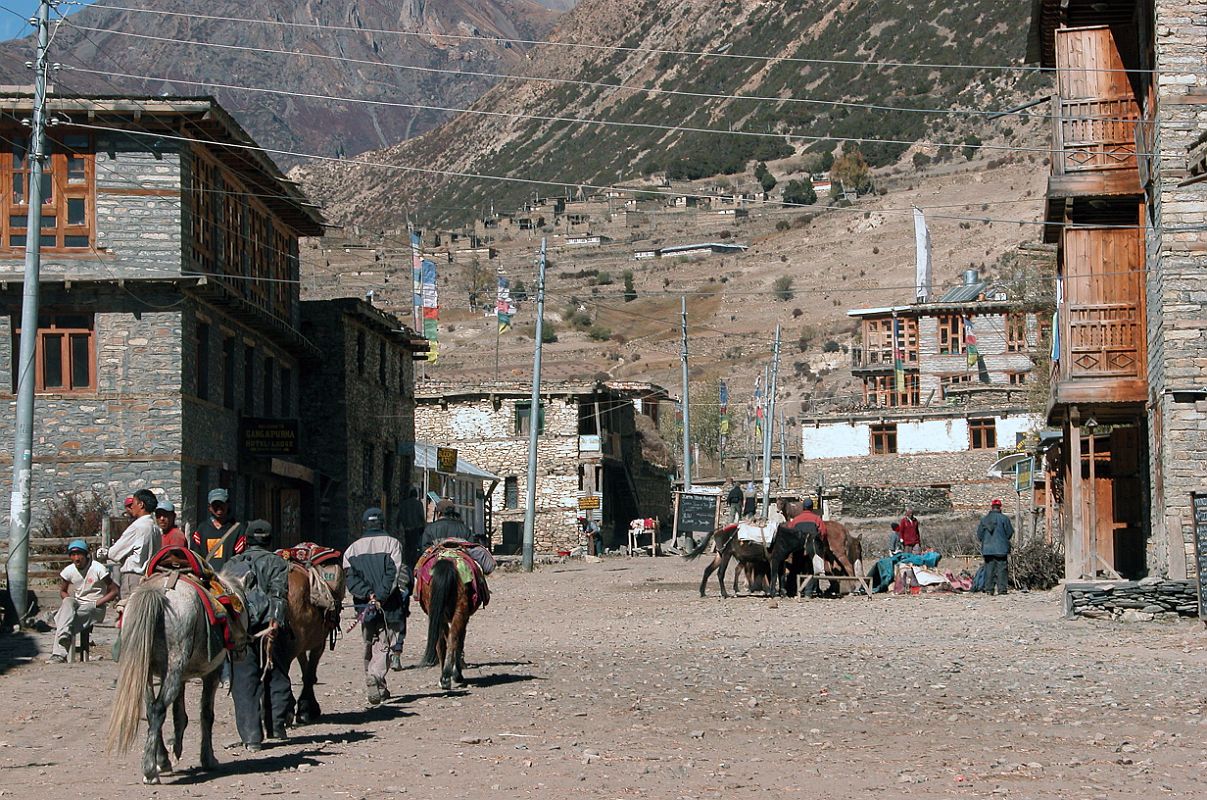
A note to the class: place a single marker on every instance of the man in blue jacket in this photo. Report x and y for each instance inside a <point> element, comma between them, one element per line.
<point>994,533</point>
<point>378,578</point>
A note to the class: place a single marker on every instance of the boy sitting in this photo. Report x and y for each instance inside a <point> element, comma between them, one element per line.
<point>86,589</point>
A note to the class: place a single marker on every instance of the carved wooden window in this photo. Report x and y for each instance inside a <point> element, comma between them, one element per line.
<point>884,438</point>
<point>982,434</point>
<point>68,195</point>
<point>881,391</point>
<point>951,335</point>
<point>1016,333</point>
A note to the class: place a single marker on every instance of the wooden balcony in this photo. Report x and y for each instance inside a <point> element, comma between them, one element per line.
<point>1094,150</point>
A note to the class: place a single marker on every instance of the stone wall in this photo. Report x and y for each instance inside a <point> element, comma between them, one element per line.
<point>1176,291</point>
<point>485,435</point>
<point>1132,601</point>
<point>962,476</point>
<point>869,501</point>
<point>990,332</point>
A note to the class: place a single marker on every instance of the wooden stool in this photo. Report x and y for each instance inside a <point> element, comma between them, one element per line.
<point>81,645</point>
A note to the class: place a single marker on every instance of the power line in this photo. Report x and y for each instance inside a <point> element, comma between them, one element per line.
<point>318,27</point>
<point>573,120</point>
<point>651,90</point>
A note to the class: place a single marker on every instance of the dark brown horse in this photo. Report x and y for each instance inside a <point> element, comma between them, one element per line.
<point>313,616</point>
<point>449,601</point>
<point>755,558</point>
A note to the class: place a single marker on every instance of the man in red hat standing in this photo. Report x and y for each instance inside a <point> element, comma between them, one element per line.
<point>994,533</point>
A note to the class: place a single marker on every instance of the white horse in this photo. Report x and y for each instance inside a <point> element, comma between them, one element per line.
<point>167,634</point>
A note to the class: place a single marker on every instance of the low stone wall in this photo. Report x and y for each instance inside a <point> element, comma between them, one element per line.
<point>1132,601</point>
<point>876,501</point>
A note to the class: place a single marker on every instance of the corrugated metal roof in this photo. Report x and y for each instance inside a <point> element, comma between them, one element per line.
<point>425,458</point>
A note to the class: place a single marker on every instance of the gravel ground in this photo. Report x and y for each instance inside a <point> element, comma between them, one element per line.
<point>614,680</point>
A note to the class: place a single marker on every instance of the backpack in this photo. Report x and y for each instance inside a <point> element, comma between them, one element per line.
<point>255,600</point>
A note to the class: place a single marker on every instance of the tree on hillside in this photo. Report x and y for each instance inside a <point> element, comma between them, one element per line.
<point>476,279</point>
<point>706,421</point>
<point>764,176</point>
<point>851,170</point>
<point>630,293</point>
<point>800,192</point>
<point>782,288</point>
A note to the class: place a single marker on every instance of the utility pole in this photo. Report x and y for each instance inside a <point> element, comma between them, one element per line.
<point>769,423</point>
<point>687,418</point>
<point>534,416</point>
<point>18,531</point>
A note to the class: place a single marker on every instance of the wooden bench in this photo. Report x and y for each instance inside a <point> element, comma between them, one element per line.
<point>861,580</point>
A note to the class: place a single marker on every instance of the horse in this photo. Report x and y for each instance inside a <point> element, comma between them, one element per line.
<point>311,625</point>
<point>765,562</point>
<point>449,599</point>
<point>168,632</point>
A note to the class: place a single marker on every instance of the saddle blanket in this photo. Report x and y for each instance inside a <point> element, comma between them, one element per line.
<point>749,532</point>
<point>469,572</point>
<point>309,554</point>
<point>220,605</point>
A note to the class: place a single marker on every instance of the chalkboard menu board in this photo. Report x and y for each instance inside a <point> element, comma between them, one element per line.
<point>1198,502</point>
<point>697,513</point>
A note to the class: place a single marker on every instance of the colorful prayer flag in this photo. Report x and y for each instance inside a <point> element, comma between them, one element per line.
<point>758,407</point>
<point>898,356</point>
<point>723,401</point>
<point>970,342</point>
<point>503,306</point>
<point>416,279</point>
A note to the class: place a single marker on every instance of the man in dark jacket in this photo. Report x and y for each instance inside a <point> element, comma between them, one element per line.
<point>447,525</point>
<point>994,533</point>
<point>734,499</point>
<point>265,578</point>
<point>378,579</point>
<point>220,536</point>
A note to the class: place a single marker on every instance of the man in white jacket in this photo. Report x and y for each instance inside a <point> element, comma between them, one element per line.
<point>140,541</point>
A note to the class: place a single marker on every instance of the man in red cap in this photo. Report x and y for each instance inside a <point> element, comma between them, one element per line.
<point>994,533</point>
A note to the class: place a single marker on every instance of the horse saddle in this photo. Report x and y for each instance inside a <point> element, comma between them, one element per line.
<point>469,571</point>
<point>179,560</point>
<point>222,606</point>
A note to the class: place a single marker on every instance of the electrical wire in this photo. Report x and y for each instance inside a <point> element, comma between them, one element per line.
<point>317,27</point>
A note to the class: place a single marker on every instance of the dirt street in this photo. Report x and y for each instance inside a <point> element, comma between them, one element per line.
<point>615,680</point>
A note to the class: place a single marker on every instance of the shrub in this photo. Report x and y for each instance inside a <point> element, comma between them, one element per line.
<point>599,333</point>
<point>830,346</point>
<point>1037,565</point>
<point>782,225</point>
<point>548,333</point>
<point>603,279</point>
<point>73,514</point>
<point>800,192</point>
<point>782,288</point>
<point>796,313</point>
<point>630,293</point>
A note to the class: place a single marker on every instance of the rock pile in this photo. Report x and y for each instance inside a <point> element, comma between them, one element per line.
<point>1132,601</point>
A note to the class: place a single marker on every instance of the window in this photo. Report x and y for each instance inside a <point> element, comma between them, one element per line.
<point>951,335</point>
<point>511,492</point>
<point>286,392</point>
<point>982,434</point>
<point>201,373</point>
<point>884,438</point>
<point>367,471</point>
<point>68,194</point>
<point>65,353</point>
<point>381,362</point>
<point>228,372</point>
<point>1016,333</point>
<point>360,352</point>
<point>879,340</point>
<point>948,381</point>
<point>270,374</point>
<point>881,391</point>
<point>1043,329</point>
<point>249,380</point>
<point>523,414</point>
<point>1016,378</point>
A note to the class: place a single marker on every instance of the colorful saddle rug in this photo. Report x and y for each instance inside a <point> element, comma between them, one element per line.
<point>222,607</point>
<point>309,554</point>
<point>468,571</point>
<point>179,559</point>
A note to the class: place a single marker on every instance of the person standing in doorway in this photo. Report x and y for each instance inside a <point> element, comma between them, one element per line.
<point>909,531</point>
<point>995,533</point>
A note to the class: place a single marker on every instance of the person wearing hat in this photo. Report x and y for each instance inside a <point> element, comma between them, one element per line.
<point>86,590</point>
<point>165,518</point>
<point>447,525</point>
<point>994,533</point>
<point>378,578</point>
<point>265,578</point>
<point>137,544</point>
<point>220,536</point>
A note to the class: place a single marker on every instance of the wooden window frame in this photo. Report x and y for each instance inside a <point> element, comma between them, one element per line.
<point>523,417</point>
<point>880,391</point>
<point>883,438</point>
<point>1016,378</point>
<point>951,335</point>
<point>982,433</point>
<point>1016,333</point>
<point>511,492</point>
<point>48,326</point>
<point>63,190</point>
<point>948,381</point>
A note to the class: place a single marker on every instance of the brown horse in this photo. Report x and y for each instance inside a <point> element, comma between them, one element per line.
<point>449,599</point>
<point>311,625</point>
<point>756,559</point>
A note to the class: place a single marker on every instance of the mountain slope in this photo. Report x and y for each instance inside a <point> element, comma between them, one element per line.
<point>298,123</point>
<point>754,40</point>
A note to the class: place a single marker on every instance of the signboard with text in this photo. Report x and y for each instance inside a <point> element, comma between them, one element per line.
<point>261,436</point>
<point>696,513</point>
<point>446,460</point>
<point>590,502</point>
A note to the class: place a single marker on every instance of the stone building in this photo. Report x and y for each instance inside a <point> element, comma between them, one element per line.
<point>360,399</point>
<point>950,417</point>
<point>1125,205</point>
<point>171,354</point>
<point>599,437</point>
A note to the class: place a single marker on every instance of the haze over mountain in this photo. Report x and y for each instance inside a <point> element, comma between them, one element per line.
<point>324,50</point>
